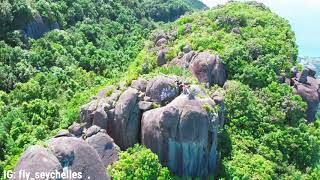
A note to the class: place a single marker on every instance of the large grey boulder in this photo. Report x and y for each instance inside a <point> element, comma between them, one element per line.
<point>106,148</point>
<point>162,89</point>
<point>37,159</point>
<point>312,70</point>
<point>63,133</point>
<point>145,106</point>
<point>125,126</point>
<point>184,60</point>
<point>76,129</point>
<point>208,69</point>
<point>159,34</point>
<point>100,118</point>
<point>140,84</point>
<point>161,42</point>
<point>303,77</point>
<point>92,131</point>
<point>96,112</point>
<point>308,88</point>
<point>78,156</point>
<point>183,135</point>
<point>161,58</point>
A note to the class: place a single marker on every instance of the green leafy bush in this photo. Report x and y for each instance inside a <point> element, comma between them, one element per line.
<point>138,162</point>
<point>267,124</point>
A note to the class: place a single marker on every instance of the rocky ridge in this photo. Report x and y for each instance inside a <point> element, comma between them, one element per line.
<point>156,113</point>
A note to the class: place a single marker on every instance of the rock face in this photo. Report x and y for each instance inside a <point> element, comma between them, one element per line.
<point>161,59</point>
<point>93,113</point>
<point>92,131</point>
<point>161,42</point>
<point>37,159</point>
<point>78,156</point>
<point>183,135</point>
<point>125,127</point>
<point>64,133</point>
<point>76,129</point>
<point>182,132</point>
<point>162,89</point>
<point>106,148</point>
<point>140,84</point>
<point>208,68</point>
<point>38,28</point>
<point>144,105</point>
<point>184,60</point>
<point>97,112</point>
<point>85,151</point>
<point>307,86</point>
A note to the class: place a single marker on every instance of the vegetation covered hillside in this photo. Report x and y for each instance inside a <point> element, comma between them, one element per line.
<point>45,80</point>
<point>265,135</point>
<point>101,43</point>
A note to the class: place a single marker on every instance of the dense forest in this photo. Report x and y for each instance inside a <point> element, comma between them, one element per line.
<point>47,73</point>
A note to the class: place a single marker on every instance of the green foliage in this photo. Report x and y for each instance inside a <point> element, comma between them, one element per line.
<point>45,81</point>
<point>33,110</point>
<point>249,166</point>
<point>267,124</point>
<point>255,55</point>
<point>138,162</point>
<point>170,10</point>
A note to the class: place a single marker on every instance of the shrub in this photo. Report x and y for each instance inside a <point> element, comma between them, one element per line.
<point>138,162</point>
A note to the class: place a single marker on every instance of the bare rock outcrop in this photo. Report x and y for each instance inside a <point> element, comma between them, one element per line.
<point>64,156</point>
<point>183,135</point>
<point>208,68</point>
<point>99,111</point>
<point>78,156</point>
<point>76,129</point>
<point>37,159</point>
<point>162,89</point>
<point>161,58</point>
<point>308,87</point>
<point>140,84</point>
<point>126,123</point>
<point>182,131</point>
<point>37,28</point>
<point>105,147</point>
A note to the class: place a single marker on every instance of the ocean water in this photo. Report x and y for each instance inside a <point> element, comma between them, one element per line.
<point>304,17</point>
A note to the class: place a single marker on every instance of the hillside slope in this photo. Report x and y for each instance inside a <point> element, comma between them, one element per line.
<point>214,94</point>
<point>50,51</point>
<point>249,52</point>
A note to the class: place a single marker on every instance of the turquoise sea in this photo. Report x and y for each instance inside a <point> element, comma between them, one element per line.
<point>304,17</point>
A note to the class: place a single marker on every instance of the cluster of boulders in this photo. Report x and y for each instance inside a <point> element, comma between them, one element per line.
<point>156,113</point>
<point>307,86</point>
<point>206,66</point>
<point>86,152</point>
<point>181,128</point>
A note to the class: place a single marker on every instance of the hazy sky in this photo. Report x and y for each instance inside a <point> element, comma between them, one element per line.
<point>303,15</point>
